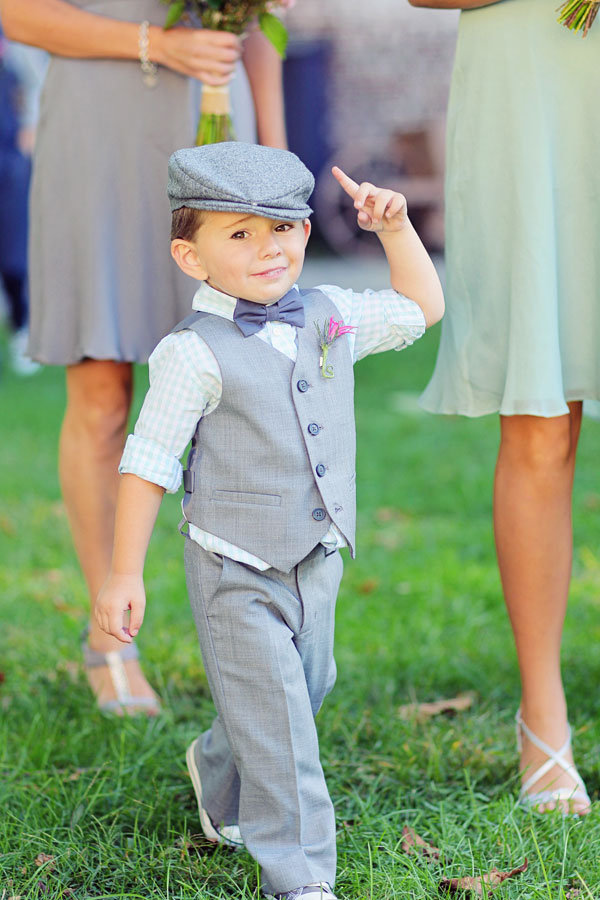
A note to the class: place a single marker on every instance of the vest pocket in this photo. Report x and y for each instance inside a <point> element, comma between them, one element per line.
<point>250,497</point>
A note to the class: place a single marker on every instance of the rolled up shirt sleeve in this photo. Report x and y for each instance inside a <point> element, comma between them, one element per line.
<point>384,320</point>
<point>185,384</point>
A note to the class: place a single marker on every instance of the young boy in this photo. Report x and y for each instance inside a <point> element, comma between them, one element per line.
<point>269,486</point>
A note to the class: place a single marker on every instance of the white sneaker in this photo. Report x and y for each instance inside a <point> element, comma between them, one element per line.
<point>21,363</point>
<point>320,890</point>
<point>229,835</point>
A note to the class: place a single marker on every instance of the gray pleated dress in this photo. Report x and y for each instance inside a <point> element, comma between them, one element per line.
<point>102,281</point>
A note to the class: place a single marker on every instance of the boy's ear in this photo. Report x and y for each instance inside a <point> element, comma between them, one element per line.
<point>307,230</point>
<point>186,256</point>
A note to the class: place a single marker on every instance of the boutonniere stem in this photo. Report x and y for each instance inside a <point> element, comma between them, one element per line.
<point>328,333</point>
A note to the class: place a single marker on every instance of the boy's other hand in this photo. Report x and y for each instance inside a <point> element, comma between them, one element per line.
<point>379,209</point>
<point>121,594</point>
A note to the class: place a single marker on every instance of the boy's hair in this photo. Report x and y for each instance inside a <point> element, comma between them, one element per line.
<point>185,222</point>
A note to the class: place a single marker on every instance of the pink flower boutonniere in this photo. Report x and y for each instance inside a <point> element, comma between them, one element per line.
<point>328,334</point>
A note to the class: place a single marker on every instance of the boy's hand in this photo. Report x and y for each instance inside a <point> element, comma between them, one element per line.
<point>120,594</point>
<point>379,209</point>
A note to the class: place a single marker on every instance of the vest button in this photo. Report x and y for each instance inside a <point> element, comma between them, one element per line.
<point>320,470</point>
<point>318,514</point>
<point>302,386</point>
<point>313,428</point>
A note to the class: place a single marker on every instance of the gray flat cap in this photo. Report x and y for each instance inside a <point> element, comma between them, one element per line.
<point>237,177</point>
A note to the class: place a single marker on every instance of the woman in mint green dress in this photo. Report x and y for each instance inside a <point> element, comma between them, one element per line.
<point>521,336</point>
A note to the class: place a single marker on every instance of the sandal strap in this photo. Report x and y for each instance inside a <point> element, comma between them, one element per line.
<point>116,705</point>
<point>114,661</point>
<point>555,758</point>
<point>94,658</point>
<point>550,796</point>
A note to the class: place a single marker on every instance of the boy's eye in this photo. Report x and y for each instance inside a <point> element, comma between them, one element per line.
<point>239,235</point>
<point>284,226</point>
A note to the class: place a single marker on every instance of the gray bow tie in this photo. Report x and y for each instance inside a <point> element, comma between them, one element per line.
<point>250,317</point>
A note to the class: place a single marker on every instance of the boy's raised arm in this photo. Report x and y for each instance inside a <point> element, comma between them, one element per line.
<point>412,272</point>
<point>137,507</point>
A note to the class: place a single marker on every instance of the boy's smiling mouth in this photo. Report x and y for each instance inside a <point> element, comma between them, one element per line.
<point>275,272</point>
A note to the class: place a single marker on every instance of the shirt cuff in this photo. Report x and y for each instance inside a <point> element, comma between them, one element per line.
<point>405,319</point>
<point>148,460</point>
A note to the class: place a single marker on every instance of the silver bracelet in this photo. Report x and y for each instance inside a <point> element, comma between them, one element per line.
<point>149,69</point>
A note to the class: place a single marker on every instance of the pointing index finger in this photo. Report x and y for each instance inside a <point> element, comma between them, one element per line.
<point>345,181</point>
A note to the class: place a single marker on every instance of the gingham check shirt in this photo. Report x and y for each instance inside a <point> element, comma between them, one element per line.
<point>185,384</point>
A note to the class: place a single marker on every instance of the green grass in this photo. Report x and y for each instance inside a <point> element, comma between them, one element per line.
<point>420,616</point>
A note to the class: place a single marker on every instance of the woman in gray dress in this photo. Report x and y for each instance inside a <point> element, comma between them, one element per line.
<point>120,95</point>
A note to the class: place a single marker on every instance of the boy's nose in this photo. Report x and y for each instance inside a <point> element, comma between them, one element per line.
<point>270,247</point>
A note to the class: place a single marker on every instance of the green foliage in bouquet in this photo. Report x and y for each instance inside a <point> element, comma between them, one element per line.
<point>578,15</point>
<point>231,15</point>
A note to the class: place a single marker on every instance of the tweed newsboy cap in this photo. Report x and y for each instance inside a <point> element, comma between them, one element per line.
<point>237,177</point>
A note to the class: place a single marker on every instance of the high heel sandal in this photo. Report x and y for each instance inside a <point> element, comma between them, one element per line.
<point>125,701</point>
<point>559,795</point>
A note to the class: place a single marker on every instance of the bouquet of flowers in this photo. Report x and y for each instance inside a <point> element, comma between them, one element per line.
<point>234,16</point>
<point>578,14</point>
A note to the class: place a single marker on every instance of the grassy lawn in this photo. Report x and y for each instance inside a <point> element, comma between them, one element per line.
<point>420,616</point>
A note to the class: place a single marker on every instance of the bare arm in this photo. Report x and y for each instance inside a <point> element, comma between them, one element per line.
<point>412,272</point>
<point>137,507</point>
<point>452,4</point>
<point>263,66</point>
<point>61,28</point>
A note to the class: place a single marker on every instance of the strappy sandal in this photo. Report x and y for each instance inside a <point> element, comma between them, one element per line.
<point>125,701</point>
<point>555,758</point>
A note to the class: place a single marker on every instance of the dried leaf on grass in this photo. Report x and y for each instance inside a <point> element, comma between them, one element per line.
<point>368,585</point>
<point>196,842</point>
<point>424,711</point>
<point>9,528</point>
<point>574,893</point>
<point>413,842</point>
<point>390,514</point>
<point>471,885</point>
<point>43,859</point>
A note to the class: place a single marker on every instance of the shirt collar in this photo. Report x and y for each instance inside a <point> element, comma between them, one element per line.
<point>208,299</point>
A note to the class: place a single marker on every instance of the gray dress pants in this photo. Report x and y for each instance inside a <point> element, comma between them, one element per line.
<point>267,644</point>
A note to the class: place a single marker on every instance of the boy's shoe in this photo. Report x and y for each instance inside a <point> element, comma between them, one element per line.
<point>318,891</point>
<point>219,834</point>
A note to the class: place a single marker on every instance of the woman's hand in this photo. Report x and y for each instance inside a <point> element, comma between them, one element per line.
<point>200,53</point>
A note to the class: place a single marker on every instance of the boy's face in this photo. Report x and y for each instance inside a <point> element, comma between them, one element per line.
<point>245,256</point>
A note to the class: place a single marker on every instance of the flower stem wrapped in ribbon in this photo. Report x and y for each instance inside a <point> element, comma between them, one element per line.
<point>328,334</point>
<point>578,15</point>
<point>234,16</point>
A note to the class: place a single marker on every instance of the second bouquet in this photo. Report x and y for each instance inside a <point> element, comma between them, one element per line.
<point>235,16</point>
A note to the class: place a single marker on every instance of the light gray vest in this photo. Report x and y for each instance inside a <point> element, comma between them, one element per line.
<point>274,463</point>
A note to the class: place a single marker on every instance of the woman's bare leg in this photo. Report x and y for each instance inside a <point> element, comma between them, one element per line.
<point>533,528</point>
<point>91,443</point>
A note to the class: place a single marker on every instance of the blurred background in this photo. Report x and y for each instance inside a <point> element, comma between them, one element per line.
<point>369,93</point>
